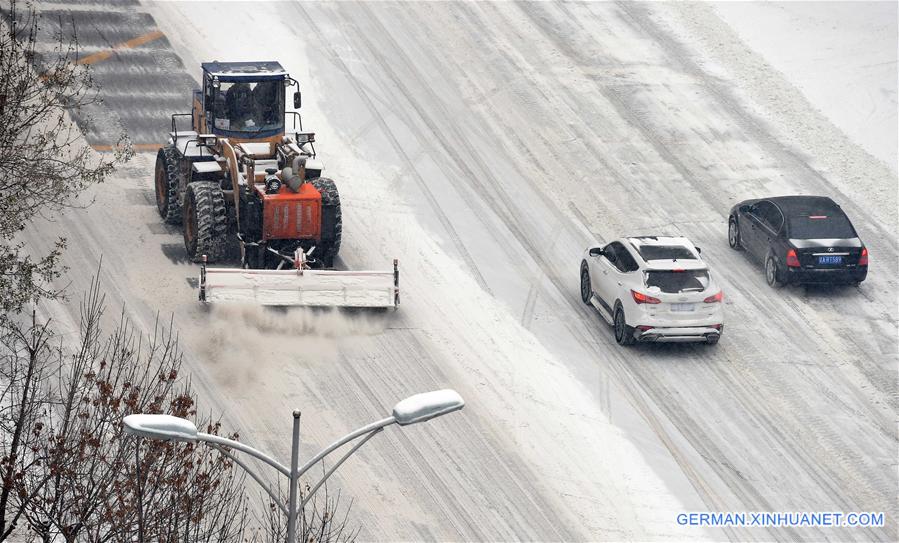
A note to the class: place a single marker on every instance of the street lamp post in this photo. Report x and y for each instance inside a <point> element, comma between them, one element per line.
<point>412,410</point>
<point>294,477</point>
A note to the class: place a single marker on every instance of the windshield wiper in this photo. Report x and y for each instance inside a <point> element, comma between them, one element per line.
<point>260,129</point>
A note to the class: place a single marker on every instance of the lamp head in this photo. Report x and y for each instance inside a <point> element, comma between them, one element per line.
<point>426,406</point>
<point>164,427</point>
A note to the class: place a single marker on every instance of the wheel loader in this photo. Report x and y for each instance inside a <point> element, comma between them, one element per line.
<point>245,188</point>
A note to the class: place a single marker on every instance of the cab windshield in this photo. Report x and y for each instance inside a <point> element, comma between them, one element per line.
<point>255,106</point>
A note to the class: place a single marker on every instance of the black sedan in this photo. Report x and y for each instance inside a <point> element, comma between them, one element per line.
<point>799,239</point>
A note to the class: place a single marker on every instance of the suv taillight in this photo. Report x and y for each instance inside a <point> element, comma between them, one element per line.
<point>863,260</point>
<point>641,298</point>
<point>792,259</point>
<point>716,298</point>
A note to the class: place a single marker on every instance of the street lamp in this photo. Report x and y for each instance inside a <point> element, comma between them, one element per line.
<point>414,409</point>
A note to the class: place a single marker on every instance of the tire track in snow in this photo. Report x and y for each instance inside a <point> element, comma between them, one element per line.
<point>649,132</point>
<point>540,508</point>
<point>398,148</point>
<point>506,215</point>
<point>406,346</point>
<point>510,221</point>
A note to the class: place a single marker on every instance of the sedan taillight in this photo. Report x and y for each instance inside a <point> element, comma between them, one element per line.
<point>863,260</point>
<point>792,259</point>
<point>641,298</point>
<point>716,298</point>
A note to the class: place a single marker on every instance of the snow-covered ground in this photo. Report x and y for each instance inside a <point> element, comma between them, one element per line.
<point>486,145</point>
<point>840,55</point>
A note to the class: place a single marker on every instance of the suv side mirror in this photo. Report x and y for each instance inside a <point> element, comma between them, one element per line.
<point>596,251</point>
<point>698,249</point>
<point>297,101</point>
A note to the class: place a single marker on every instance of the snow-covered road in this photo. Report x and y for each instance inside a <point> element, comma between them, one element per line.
<point>486,145</point>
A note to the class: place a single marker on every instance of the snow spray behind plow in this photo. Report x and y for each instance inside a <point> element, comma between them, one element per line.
<point>247,341</point>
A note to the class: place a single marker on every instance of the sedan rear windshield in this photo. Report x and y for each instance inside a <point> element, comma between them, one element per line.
<point>674,281</point>
<point>823,226</point>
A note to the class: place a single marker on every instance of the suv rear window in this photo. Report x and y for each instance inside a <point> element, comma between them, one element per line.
<point>822,226</point>
<point>665,252</point>
<point>671,281</point>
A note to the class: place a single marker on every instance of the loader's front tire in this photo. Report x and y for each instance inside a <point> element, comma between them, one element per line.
<point>168,201</point>
<point>205,222</point>
<point>332,223</point>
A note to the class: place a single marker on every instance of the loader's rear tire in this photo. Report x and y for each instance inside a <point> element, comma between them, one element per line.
<point>205,222</point>
<point>168,200</point>
<point>332,223</point>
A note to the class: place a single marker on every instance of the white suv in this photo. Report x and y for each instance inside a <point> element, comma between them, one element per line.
<point>653,289</point>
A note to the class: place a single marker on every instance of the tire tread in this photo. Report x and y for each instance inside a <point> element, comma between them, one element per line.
<point>172,213</point>
<point>330,198</point>
<point>211,220</point>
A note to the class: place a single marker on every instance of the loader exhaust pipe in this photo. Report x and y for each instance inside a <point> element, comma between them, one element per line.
<point>295,175</point>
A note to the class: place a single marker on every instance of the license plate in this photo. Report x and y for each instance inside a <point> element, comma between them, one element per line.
<point>830,260</point>
<point>682,307</point>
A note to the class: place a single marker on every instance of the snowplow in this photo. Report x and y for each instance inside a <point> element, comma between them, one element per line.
<point>244,188</point>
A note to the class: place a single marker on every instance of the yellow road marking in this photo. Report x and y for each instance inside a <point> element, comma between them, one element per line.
<point>138,147</point>
<point>130,44</point>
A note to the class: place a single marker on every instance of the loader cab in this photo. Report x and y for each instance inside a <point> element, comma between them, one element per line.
<point>242,100</point>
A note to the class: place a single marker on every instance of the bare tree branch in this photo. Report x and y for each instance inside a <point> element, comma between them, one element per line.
<point>46,162</point>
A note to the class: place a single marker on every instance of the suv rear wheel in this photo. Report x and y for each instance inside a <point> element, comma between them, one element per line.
<point>624,334</point>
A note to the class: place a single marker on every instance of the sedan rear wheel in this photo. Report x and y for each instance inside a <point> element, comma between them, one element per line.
<point>772,275</point>
<point>733,235</point>
<point>586,288</point>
